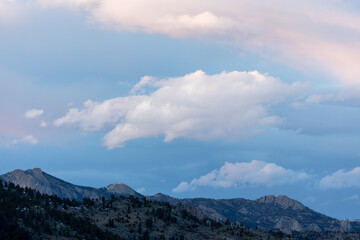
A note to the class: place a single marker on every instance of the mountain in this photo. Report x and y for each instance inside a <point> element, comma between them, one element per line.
<point>122,189</point>
<point>27,215</point>
<point>283,201</point>
<point>269,212</point>
<point>45,183</point>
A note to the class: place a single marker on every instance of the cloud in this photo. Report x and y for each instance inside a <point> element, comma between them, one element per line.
<point>342,179</point>
<point>198,106</point>
<point>242,174</point>
<point>33,113</point>
<point>29,139</point>
<point>10,11</point>
<point>43,124</point>
<point>299,33</point>
<point>355,197</point>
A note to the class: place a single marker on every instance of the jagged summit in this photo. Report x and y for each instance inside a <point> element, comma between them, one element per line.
<point>282,200</point>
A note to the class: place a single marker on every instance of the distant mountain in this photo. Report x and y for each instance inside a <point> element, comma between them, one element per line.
<point>283,201</point>
<point>27,215</point>
<point>270,212</point>
<point>122,189</point>
<point>45,183</point>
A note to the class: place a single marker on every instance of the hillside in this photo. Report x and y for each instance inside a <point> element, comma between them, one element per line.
<point>268,212</point>
<point>27,214</point>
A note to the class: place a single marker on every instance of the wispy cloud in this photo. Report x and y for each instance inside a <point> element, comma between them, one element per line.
<point>197,105</point>
<point>29,139</point>
<point>354,197</point>
<point>33,113</point>
<point>342,179</point>
<point>241,174</point>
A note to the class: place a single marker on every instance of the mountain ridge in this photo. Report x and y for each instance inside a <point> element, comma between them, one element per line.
<point>45,183</point>
<point>268,212</point>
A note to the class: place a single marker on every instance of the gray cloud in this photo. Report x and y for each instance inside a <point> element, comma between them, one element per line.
<point>244,174</point>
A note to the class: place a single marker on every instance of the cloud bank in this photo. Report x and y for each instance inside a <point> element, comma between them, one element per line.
<point>252,173</point>
<point>342,179</point>
<point>299,32</point>
<point>197,105</point>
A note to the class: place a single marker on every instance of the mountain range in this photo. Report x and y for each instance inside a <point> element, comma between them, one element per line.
<point>25,214</point>
<point>45,183</point>
<point>268,212</point>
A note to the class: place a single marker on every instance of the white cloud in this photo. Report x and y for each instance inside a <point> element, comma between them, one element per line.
<point>355,197</point>
<point>96,115</point>
<point>29,139</point>
<point>33,113</point>
<point>299,32</point>
<point>43,124</point>
<point>197,105</point>
<point>342,179</point>
<point>244,174</point>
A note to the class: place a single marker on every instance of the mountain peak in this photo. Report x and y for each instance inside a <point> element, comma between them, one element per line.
<point>122,189</point>
<point>163,198</point>
<point>282,200</point>
<point>37,179</point>
<point>38,170</point>
<point>161,195</point>
<point>34,171</point>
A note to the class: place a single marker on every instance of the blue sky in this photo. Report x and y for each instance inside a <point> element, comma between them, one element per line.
<point>191,100</point>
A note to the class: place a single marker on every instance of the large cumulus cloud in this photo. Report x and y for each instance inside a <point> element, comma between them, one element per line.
<point>197,105</point>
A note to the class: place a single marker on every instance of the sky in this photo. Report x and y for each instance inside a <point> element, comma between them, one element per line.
<point>230,99</point>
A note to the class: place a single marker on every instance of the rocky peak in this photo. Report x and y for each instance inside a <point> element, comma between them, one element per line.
<point>346,225</point>
<point>36,170</point>
<point>282,200</point>
<point>16,172</point>
<point>122,189</point>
